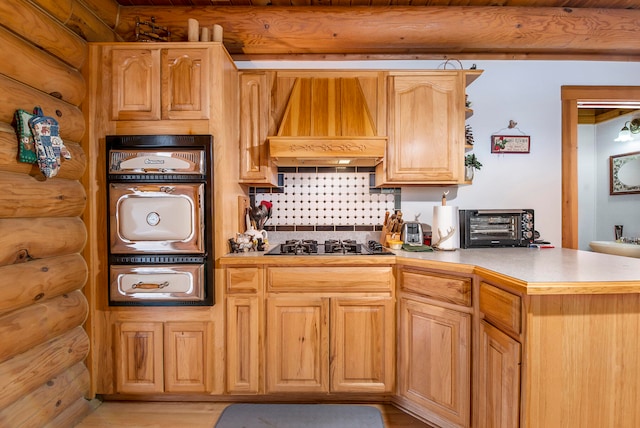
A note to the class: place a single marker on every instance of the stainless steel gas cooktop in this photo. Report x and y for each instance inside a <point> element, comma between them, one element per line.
<point>332,247</point>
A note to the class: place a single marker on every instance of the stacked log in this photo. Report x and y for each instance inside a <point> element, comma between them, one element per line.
<point>44,380</point>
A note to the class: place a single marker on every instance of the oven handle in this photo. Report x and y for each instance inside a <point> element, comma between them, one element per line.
<point>154,188</point>
<point>149,286</point>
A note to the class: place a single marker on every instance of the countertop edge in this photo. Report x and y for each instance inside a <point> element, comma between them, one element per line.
<point>566,284</point>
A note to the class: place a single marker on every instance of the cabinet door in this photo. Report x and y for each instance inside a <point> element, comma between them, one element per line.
<point>135,81</point>
<point>139,357</point>
<point>187,350</point>
<point>243,353</point>
<point>185,83</point>
<point>426,128</point>
<point>297,344</point>
<point>362,345</point>
<point>255,165</point>
<point>498,379</point>
<point>434,363</point>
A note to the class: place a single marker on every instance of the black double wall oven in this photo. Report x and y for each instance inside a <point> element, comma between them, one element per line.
<point>160,225</point>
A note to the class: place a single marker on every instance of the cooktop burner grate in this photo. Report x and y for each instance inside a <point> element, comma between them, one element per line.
<point>296,247</point>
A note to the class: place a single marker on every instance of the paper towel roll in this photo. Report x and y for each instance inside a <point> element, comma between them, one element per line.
<point>445,222</point>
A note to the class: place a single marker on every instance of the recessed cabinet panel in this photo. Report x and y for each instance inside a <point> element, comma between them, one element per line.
<point>243,353</point>
<point>362,350</point>
<point>255,164</point>
<point>297,344</point>
<point>498,379</point>
<point>139,357</point>
<point>446,288</point>
<point>185,84</point>
<point>435,360</point>
<point>501,308</point>
<point>135,80</point>
<point>426,123</point>
<point>187,355</point>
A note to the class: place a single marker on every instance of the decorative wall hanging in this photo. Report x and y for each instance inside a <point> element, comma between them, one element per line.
<point>624,174</point>
<point>510,142</point>
<point>149,31</point>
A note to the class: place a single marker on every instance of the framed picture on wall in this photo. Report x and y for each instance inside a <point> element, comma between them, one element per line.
<point>624,173</point>
<point>510,143</point>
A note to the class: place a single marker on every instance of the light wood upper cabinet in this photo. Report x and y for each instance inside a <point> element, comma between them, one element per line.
<point>185,83</point>
<point>425,122</point>
<point>155,83</point>
<point>135,84</point>
<point>255,164</point>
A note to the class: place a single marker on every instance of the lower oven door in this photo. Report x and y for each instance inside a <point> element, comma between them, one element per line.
<point>156,218</point>
<point>149,284</point>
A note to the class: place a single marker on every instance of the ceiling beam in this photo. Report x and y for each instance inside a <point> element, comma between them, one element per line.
<point>409,32</point>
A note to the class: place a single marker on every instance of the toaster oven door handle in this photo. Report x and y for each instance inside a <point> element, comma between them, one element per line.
<point>498,211</point>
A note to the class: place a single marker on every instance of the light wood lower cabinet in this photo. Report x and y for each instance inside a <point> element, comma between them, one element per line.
<point>244,301</point>
<point>243,339</point>
<point>156,357</point>
<point>434,353</point>
<point>322,344</point>
<point>498,379</point>
<point>330,329</point>
<point>139,355</point>
<point>434,362</point>
<point>297,344</point>
<point>361,351</point>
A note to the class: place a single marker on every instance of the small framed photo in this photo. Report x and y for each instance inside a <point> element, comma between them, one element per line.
<point>510,143</point>
<point>624,174</point>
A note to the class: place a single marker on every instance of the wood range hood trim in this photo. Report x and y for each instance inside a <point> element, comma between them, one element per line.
<point>327,122</point>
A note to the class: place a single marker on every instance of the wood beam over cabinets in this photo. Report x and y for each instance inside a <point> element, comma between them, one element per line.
<point>408,32</point>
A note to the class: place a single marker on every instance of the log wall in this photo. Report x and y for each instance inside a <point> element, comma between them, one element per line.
<point>44,380</point>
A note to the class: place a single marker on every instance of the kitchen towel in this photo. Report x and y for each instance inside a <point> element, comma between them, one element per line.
<point>416,248</point>
<point>445,228</point>
<point>300,415</point>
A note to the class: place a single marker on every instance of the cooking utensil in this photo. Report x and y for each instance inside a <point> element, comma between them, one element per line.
<point>257,215</point>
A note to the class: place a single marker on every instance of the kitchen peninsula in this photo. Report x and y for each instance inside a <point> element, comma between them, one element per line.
<point>485,337</point>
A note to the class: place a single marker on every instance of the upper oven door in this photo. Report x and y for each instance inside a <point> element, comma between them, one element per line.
<point>156,218</point>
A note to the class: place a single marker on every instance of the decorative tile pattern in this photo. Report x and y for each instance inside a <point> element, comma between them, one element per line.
<point>318,197</point>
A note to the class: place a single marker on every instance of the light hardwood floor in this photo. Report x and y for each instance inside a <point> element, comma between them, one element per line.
<point>111,414</point>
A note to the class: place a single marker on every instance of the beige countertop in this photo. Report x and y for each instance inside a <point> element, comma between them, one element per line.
<point>533,270</point>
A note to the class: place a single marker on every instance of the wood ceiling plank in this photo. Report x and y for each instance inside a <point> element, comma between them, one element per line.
<point>409,30</point>
<point>596,4</point>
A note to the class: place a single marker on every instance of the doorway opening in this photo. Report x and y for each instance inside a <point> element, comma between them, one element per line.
<point>572,98</point>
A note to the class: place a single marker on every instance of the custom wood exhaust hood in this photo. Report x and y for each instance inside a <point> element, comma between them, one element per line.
<point>327,122</point>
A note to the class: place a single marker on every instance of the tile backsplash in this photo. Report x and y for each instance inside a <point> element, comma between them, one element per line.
<point>327,198</point>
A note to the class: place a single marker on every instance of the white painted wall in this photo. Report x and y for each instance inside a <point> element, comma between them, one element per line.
<point>525,91</point>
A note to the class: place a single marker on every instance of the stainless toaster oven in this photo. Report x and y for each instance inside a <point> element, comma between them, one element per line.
<point>496,228</point>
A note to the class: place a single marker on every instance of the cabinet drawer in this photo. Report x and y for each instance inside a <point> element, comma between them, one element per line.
<point>335,279</point>
<point>244,279</point>
<point>501,307</point>
<point>446,288</point>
